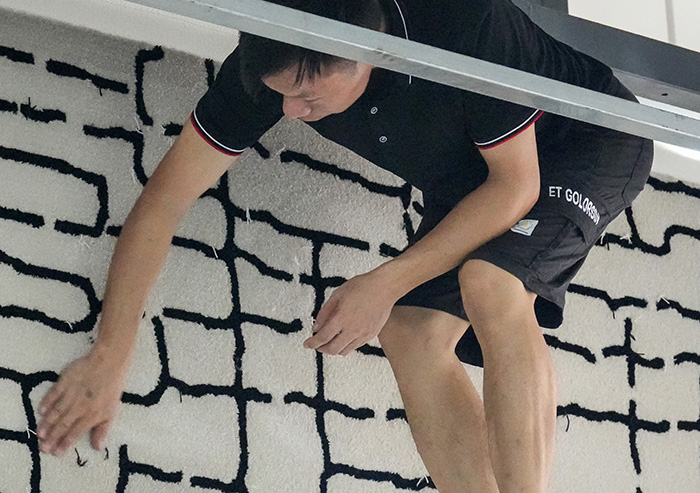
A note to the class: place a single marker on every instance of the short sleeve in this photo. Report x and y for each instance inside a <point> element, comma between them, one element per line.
<point>228,118</point>
<point>507,37</point>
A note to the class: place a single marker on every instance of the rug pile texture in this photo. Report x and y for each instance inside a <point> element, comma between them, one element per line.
<point>221,395</point>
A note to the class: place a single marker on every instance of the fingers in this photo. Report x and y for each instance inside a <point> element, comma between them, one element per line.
<point>64,424</point>
<point>99,433</point>
<point>351,347</point>
<point>54,394</point>
<point>57,424</point>
<point>342,344</point>
<point>52,414</point>
<point>323,336</point>
<point>79,426</point>
<point>324,314</point>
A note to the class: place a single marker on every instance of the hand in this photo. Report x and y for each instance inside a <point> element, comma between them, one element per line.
<point>354,314</point>
<point>86,397</point>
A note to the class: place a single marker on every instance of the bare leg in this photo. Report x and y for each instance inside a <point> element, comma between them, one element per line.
<point>445,413</point>
<point>519,378</point>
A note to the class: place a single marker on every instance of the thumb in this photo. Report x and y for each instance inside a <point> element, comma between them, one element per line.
<point>324,314</point>
<point>99,433</point>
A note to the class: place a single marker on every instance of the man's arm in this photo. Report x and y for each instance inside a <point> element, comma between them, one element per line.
<point>357,310</point>
<point>509,192</point>
<point>189,168</point>
<point>88,392</point>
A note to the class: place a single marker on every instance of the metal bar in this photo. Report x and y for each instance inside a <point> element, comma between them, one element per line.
<point>560,5</point>
<point>651,69</point>
<point>426,62</point>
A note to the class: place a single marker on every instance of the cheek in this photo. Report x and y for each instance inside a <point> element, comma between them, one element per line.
<point>340,101</point>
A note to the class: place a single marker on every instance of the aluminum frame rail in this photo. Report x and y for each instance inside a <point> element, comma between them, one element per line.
<point>427,62</point>
<point>651,69</point>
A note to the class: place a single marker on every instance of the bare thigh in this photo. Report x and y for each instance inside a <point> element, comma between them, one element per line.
<point>412,328</point>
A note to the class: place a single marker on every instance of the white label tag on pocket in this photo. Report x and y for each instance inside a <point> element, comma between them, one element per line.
<point>525,227</point>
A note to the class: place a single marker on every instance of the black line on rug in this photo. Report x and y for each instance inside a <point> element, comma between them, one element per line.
<point>16,55</point>
<point>635,242</point>
<point>143,57</point>
<point>613,303</point>
<point>134,138</point>
<point>67,70</point>
<point>320,396</point>
<point>677,187</point>
<point>408,226</point>
<point>396,413</point>
<point>86,324</point>
<point>261,150</point>
<point>326,405</point>
<point>666,304</point>
<point>310,234</point>
<point>389,251</point>
<point>413,484</point>
<point>211,71</point>
<point>60,166</point>
<point>403,192</point>
<point>33,220</point>
<point>255,261</point>
<point>236,317</point>
<point>679,359</point>
<point>172,129</point>
<point>631,420</point>
<point>634,358</point>
<point>371,350</point>
<point>45,116</point>
<point>8,107</point>
<point>556,343</point>
<point>127,467</point>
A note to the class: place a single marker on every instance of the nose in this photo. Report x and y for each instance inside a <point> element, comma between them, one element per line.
<point>295,108</point>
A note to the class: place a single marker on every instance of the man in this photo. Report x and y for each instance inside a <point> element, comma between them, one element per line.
<point>511,210</point>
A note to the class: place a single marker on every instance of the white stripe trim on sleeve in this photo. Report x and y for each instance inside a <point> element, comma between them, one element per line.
<point>516,129</point>
<point>212,138</point>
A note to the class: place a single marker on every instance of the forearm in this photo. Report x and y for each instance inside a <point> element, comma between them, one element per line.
<point>137,260</point>
<point>188,169</point>
<point>487,212</point>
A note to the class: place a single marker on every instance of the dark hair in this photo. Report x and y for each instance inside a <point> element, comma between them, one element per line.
<point>261,57</point>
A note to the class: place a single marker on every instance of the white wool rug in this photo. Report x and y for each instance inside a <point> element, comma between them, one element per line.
<point>221,395</point>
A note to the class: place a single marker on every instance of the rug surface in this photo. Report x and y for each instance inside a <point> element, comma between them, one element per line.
<point>221,395</point>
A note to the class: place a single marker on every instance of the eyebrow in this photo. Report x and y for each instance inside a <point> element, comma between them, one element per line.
<point>303,94</point>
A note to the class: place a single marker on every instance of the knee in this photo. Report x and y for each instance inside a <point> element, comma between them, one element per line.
<point>490,293</point>
<point>413,330</point>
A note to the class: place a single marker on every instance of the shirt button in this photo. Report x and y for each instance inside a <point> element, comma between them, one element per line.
<point>382,139</point>
<point>374,110</point>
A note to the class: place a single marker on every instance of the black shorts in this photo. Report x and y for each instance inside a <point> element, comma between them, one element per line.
<point>604,171</point>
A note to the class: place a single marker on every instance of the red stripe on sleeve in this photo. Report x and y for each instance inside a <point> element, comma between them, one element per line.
<point>510,137</point>
<point>209,141</point>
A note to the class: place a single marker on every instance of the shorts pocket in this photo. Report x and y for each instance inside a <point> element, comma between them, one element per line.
<point>564,251</point>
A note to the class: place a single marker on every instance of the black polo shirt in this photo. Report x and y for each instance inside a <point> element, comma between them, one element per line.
<point>426,133</point>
